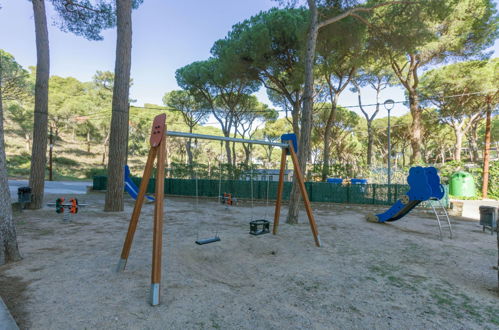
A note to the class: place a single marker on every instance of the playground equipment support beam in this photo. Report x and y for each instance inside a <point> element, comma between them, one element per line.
<point>223,138</point>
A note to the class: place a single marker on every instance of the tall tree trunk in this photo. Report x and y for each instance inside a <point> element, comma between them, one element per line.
<point>226,132</point>
<point>27,141</point>
<point>88,141</point>
<point>228,151</point>
<point>306,118</point>
<point>247,153</point>
<point>234,160</point>
<point>442,155</point>
<point>327,142</point>
<point>9,250</point>
<point>104,153</point>
<point>370,142</point>
<point>486,156</point>
<point>269,154</point>
<point>39,149</point>
<point>473,140</point>
<point>458,145</point>
<point>119,120</point>
<point>415,127</point>
<point>190,158</point>
<point>296,118</point>
<point>369,120</point>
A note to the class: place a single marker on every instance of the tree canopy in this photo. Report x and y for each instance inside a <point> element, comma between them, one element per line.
<point>87,18</point>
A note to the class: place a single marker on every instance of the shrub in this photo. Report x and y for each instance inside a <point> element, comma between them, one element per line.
<point>96,171</point>
<point>65,161</point>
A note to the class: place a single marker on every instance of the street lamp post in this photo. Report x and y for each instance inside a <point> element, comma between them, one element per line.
<point>389,106</point>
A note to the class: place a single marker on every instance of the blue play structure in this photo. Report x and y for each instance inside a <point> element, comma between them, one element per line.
<point>424,184</point>
<point>290,137</point>
<point>130,186</point>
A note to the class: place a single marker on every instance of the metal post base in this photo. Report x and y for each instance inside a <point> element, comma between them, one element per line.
<point>121,265</point>
<point>319,240</point>
<point>155,294</point>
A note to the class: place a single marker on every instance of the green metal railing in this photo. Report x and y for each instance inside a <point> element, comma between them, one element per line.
<point>374,194</point>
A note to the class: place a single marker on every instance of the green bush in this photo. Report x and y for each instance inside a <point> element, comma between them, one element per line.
<point>19,165</point>
<point>494,180</point>
<point>450,168</point>
<point>19,160</point>
<point>65,161</point>
<point>95,171</point>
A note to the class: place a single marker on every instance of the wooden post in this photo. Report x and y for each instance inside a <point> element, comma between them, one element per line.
<point>158,149</point>
<point>301,184</point>
<point>157,132</point>
<point>158,224</point>
<point>125,252</point>
<point>280,186</point>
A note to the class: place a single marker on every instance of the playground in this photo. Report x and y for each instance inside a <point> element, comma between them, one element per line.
<point>365,275</point>
<point>254,165</point>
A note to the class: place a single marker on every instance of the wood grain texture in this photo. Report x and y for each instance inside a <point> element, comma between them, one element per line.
<point>132,227</point>
<point>303,190</point>
<point>157,130</point>
<point>280,187</point>
<point>158,215</point>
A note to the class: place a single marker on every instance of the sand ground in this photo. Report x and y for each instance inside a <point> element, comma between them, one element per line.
<point>366,276</point>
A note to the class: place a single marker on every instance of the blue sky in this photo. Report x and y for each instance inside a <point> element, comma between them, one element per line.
<point>166,36</point>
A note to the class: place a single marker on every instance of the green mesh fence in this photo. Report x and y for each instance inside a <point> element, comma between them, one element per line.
<point>374,194</point>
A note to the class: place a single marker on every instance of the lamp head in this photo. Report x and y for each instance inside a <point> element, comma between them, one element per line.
<point>389,104</point>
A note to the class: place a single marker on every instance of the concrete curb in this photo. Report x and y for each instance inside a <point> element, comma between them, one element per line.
<point>6,320</point>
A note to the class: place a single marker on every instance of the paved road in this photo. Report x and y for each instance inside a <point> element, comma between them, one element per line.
<point>53,187</point>
<point>471,207</point>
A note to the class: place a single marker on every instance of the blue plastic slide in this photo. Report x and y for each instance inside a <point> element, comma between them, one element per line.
<point>130,186</point>
<point>424,184</point>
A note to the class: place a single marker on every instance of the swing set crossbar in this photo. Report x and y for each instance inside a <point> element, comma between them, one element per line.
<point>223,138</point>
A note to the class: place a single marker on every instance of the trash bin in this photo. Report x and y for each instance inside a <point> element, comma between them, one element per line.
<point>462,184</point>
<point>361,182</point>
<point>23,196</point>
<point>488,217</point>
<point>335,180</point>
<point>99,182</point>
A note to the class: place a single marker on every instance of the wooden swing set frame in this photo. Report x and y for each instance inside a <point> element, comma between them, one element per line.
<point>158,151</point>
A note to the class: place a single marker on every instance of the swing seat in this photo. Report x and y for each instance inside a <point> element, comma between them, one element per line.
<point>259,227</point>
<point>208,240</point>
